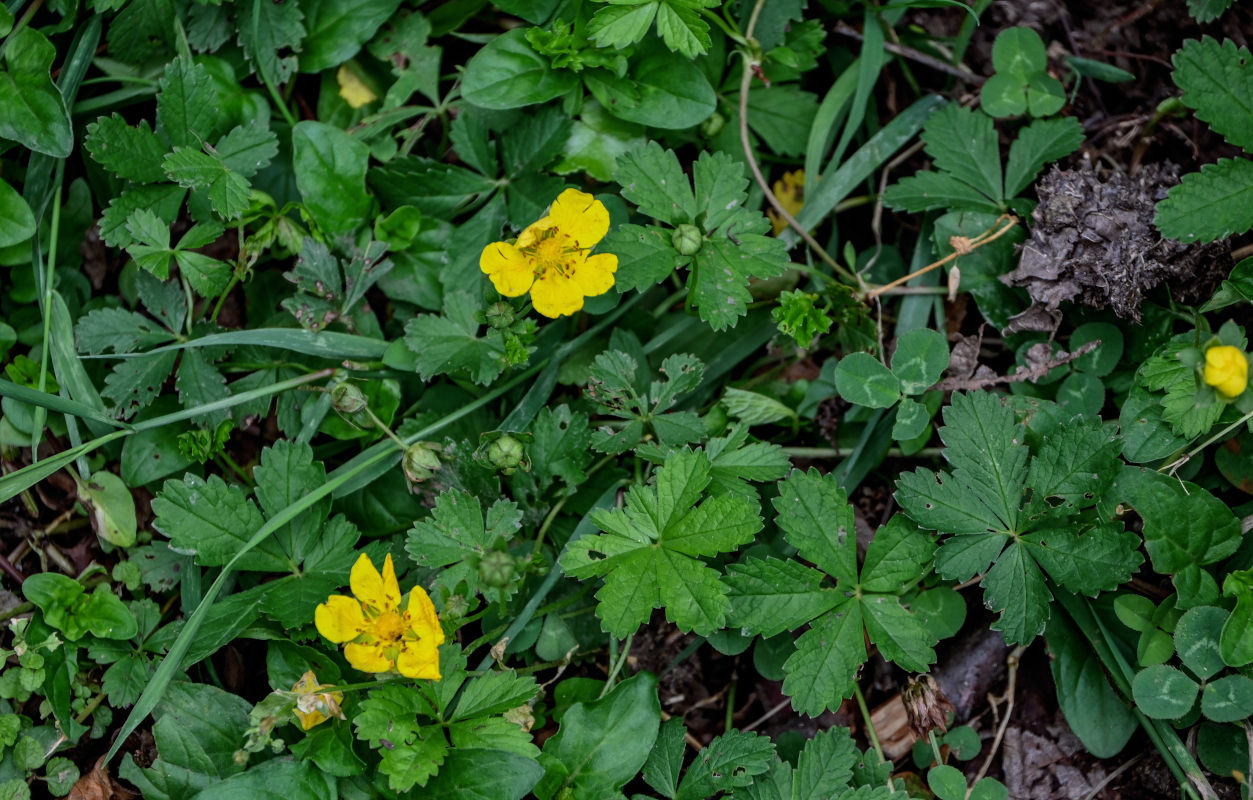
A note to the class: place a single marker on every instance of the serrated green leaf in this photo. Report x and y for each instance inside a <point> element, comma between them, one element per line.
<point>164,200</point>
<point>649,551</point>
<point>1214,203</point>
<point>652,178</point>
<point>731,761</point>
<point>771,596</point>
<point>938,501</point>
<point>198,382</point>
<point>962,142</point>
<point>645,256</point>
<point>1217,80</point>
<point>270,35</point>
<point>901,637</point>
<point>754,408</point>
<point>720,189</point>
<point>1040,143</point>
<point>620,26</point>
<point>1075,464</point>
<point>245,149</point>
<point>928,191</point>
<point>560,448</point>
<point>1015,588</point>
<point>213,520</point>
<point>135,383</point>
<point>986,447</point>
<point>824,667</point>
<point>680,26</point>
<point>192,169</point>
<point>724,267</point>
<point>450,343</point>
<point>1096,560</point>
<point>897,558</point>
<point>1208,10</point>
<point>119,331</point>
<point>818,521</point>
<point>187,103</point>
<point>129,152</point>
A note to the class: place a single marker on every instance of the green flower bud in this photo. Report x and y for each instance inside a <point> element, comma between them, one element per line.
<point>347,399</point>
<point>421,461</point>
<point>499,315</point>
<point>455,607</point>
<point>712,125</point>
<point>506,453</point>
<point>687,239</point>
<point>496,569</point>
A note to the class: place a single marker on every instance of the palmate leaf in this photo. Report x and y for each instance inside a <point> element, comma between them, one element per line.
<point>650,551</point>
<point>962,142</point>
<point>1021,549</point>
<point>770,596</point>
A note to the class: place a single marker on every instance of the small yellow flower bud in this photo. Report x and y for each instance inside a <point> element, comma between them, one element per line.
<point>355,91</point>
<point>1227,370</point>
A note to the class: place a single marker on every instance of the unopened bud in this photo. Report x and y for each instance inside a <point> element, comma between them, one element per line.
<point>506,453</point>
<point>687,239</point>
<point>499,315</point>
<point>347,399</point>
<point>496,569</point>
<point>420,462</point>
<point>712,125</point>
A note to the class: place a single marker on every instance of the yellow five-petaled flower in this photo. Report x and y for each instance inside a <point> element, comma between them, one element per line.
<point>1227,370</point>
<point>377,634</point>
<point>550,258</point>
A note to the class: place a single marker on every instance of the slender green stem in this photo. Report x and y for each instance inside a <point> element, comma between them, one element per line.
<point>618,663</point>
<point>870,731</point>
<point>1188,456</point>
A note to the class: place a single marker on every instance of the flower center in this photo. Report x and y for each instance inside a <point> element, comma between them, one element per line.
<point>554,251</point>
<point>389,627</point>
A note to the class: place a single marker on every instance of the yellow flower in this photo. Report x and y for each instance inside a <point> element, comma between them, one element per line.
<point>377,634</point>
<point>314,707</point>
<point>550,258</point>
<point>1227,370</point>
<point>355,91</point>
<point>790,192</point>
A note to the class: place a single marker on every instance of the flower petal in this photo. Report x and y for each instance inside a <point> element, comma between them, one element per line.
<point>555,295</point>
<point>580,216</point>
<point>419,659</point>
<point>367,657</point>
<point>422,618</point>
<point>380,591</point>
<point>534,232</point>
<point>595,275</point>
<point>339,619</point>
<point>509,269</point>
